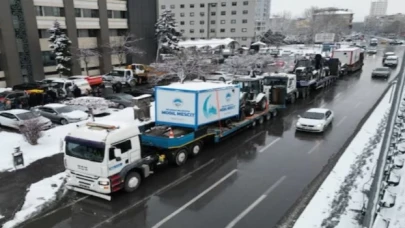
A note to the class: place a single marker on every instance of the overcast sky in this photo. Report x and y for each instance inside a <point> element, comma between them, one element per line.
<point>360,8</point>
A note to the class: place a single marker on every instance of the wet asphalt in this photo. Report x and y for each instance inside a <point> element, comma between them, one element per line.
<point>249,180</point>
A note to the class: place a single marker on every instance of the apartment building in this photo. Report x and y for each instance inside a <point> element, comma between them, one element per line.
<point>378,8</point>
<point>24,48</point>
<point>206,19</point>
<point>262,16</point>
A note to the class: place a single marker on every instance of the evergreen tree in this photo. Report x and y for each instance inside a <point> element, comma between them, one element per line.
<point>60,45</point>
<point>167,33</point>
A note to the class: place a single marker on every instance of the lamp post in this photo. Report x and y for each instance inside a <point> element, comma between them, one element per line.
<point>18,158</point>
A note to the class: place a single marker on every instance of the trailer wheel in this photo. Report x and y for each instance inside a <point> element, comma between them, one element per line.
<point>261,120</point>
<point>250,111</point>
<point>263,104</point>
<point>292,99</point>
<point>254,123</point>
<point>132,181</point>
<point>274,113</point>
<point>196,148</point>
<point>268,116</point>
<point>180,157</point>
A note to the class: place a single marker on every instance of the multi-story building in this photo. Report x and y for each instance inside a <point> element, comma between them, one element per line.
<point>333,20</point>
<point>378,8</point>
<point>24,47</point>
<point>262,16</point>
<point>206,19</point>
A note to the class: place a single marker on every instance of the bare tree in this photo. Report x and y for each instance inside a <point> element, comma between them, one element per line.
<point>31,131</point>
<point>186,65</point>
<point>239,63</point>
<point>85,55</point>
<point>283,23</point>
<point>125,46</point>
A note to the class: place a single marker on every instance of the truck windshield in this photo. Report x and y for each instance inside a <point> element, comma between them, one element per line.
<point>87,152</point>
<point>117,73</point>
<point>274,82</point>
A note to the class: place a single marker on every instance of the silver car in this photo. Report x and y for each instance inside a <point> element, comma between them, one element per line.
<point>62,114</point>
<point>217,76</point>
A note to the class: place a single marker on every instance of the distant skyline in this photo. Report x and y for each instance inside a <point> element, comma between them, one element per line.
<point>360,8</point>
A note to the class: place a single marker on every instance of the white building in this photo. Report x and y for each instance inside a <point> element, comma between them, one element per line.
<point>206,19</point>
<point>378,8</point>
<point>262,16</point>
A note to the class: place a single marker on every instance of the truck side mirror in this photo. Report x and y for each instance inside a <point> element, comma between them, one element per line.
<point>117,154</point>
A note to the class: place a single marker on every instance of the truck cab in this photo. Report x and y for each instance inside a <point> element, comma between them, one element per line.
<point>124,76</point>
<point>285,81</point>
<point>101,159</point>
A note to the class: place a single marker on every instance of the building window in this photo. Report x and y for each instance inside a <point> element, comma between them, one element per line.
<point>182,31</point>
<point>223,13</point>
<point>192,14</point>
<point>191,5</point>
<point>233,21</point>
<point>244,21</point>
<point>38,10</point>
<point>88,32</point>
<point>50,11</point>
<point>212,30</point>
<point>48,58</point>
<point>233,12</point>
<point>171,6</point>
<point>222,30</point>
<point>213,22</point>
<point>163,7</point>
<point>233,30</point>
<point>244,30</point>
<point>94,13</point>
<point>202,14</point>
<point>234,3</point>
<point>223,3</point>
<point>202,22</point>
<point>43,33</point>
<point>181,14</point>
<point>244,38</point>
<point>120,14</point>
<point>182,6</point>
<point>245,3</point>
<point>222,22</point>
<point>191,22</point>
<point>181,22</point>
<point>213,4</point>
<point>245,12</point>
<point>191,30</point>
<point>202,5</point>
<point>109,14</point>
<point>201,30</point>
<point>213,13</point>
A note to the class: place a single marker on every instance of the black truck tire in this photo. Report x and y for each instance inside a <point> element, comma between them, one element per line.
<point>180,157</point>
<point>250,111</point>
<point>132,181</point>
<point>263,104</point>
<point>196,148</point>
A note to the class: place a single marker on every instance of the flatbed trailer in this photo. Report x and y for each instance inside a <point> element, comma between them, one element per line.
<point>186,138</point>
<point>306,87</point>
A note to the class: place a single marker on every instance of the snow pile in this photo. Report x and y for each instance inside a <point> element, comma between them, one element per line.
<point>90,102</point>
<point>340,198</point>
<point>39,194</point>
<point>5,89</point>
<point>77,114</point>
<point>1,217</point>
<point>49,143</point>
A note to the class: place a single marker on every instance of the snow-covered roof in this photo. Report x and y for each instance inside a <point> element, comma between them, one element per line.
<point>212,43</point>
<point>259,43</point>
<point>54,105</point>
<point>196,86</point>
<point>347,49</point>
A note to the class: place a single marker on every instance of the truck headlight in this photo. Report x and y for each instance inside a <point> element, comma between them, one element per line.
<point>104,183</point>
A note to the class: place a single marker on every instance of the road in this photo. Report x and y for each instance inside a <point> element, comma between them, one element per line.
<point>249,180</point>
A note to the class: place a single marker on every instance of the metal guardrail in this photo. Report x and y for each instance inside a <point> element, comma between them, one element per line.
<point>376,186</point>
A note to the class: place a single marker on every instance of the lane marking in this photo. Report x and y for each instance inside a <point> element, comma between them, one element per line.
<point>337,95</point>
<point>341,121</point>
<point>163,221</point>
<point>159,191</point>
<point>357,105</point>
<point>254,136</point>
<point>255,203</point>
<point>269,145</point>
<point>317,144</point>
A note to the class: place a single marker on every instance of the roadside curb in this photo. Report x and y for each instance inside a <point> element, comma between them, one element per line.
<point>293,213</point>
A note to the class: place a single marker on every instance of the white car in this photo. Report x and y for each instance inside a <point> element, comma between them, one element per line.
<point>15,118</point>
<point>315,120</point>
<point>391,61</point>
<point>218,76</point>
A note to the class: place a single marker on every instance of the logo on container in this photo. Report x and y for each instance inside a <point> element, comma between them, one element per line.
<point>209,110</point>
<point>177,102</point>
<point>228,97</point>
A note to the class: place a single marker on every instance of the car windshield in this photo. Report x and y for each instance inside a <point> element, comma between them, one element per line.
<point>26,116</point>
<point>381,69</point>
<point>89,152</point>
<point>65,109</point>
<point>117,73</point>
<point>313,115</point>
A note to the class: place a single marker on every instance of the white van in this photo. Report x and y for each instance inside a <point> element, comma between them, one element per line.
<point>391,61</point>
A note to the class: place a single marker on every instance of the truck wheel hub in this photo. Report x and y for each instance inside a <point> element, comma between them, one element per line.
<point>181,157</point>
<point>196,149</point>
<point>133,182</point>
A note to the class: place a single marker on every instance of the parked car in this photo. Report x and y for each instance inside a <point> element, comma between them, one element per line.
<point>218,76</point>
<point>121,100</point>
<point>383,72</point>
<point>61,113</point>
<point>315,120</point>
<point>11,95</point>
<point>16,118</point>
<point>391,61</point>
<point>386,55</point>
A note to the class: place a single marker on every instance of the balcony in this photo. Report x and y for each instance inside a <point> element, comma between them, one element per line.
<point>86,4</point>
<point>47,22</point>
<point>54,3</point>
<point>117,5</point>
<point>116,39</point>
<point>87,23</point>
<point>87,42</point>
<point>117,23</point>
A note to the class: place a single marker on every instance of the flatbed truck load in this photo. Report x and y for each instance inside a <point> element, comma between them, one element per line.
<point>105,157</point>
<point>352,59</point>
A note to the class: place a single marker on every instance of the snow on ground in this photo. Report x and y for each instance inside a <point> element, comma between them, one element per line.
<point>342,191</point>
<point>39,194</point>
<point>1,217</point>
<point>49,143</point>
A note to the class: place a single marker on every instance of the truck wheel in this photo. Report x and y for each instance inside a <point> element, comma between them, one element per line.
<point>196,149</point>
<point>274,113</point>
<point>263,104</point>
<point>132,181</point>
<point>254,123</point>
<point>132,83</point>
<point>261,120</point>
<point>268,116</point>
<point>180,157</point>
<point>250,111</point>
